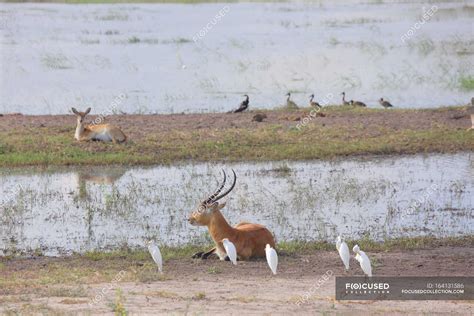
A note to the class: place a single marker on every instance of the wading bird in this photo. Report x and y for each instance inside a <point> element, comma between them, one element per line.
<point>363,260</point>
<point>312,103</point>
<point>243,105</point>
<point>272,258</point>
<point>99,132</point>
<point>156,255</point>
<point>249,239</point>
<point>385,103</point>
<point>344,102</point>
<point>290,104</point>
<point>230,250</point>
<point>343,250</point>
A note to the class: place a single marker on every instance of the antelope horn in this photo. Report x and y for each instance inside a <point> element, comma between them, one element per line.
<point>228,191</point>
<point>211,198</point>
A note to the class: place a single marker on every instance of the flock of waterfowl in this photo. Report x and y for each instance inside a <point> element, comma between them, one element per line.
<point>108,132</point>
<point>291,105</point>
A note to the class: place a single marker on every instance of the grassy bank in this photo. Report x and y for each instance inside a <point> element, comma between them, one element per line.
<point>343,132</point>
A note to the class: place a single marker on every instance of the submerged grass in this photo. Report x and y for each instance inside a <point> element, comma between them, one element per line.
<point>467,83</point>
<point>54,145</point>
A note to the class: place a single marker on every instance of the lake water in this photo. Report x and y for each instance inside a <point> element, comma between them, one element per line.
<point>55,56</point>
<point>80,209</point>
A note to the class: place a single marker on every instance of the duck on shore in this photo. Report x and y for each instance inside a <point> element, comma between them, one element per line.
<point>358,103</point>
<point>344,102</point>
<point>385,103</point>
<point>289,103</point>
<point>312,103</point>
<point>259,117</point>
<point>243,105</point>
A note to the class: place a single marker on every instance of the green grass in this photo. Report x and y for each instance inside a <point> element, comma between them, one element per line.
<point>118,306</point>
<point>467,83</point>
<point>367,244</point>
<point>55,146</point>
<point>167,253</point>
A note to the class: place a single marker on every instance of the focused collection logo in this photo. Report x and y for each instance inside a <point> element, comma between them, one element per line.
<point>404,288</point>
<point>367,287</point>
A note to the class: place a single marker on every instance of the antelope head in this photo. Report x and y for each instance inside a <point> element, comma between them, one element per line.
<point>207,208</point>
<point>80,115</point>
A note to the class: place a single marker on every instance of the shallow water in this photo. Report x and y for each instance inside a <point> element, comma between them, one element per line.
<point>55,56</point>
<point>79,209</point>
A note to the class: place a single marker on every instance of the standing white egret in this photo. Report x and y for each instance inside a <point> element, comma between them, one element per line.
<point>272,258</point>
<point>343,250</point>
<point>156,254</point>
<point>230,250</point>
<point>363,260</point>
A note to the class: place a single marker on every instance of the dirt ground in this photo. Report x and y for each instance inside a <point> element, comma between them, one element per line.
<point>201,287</point>
<point>391,119</point>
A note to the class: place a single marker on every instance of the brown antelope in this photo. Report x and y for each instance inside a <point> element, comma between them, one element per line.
<point>249,239</point>
<point>100,132</point>
<point>472,114</point>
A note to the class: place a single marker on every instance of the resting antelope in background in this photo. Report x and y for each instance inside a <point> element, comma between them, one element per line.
<point>249,239</point>
<point>472,114</point>
<point>100,132</point>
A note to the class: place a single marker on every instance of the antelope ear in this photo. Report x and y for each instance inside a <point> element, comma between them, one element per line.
<point>74,111</point>
<point>216,206</point>
<point>87,111</point>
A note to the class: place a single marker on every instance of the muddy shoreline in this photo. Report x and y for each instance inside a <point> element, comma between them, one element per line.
<point>72,285</point>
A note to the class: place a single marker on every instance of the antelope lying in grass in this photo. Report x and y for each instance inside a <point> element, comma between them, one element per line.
<point>249,239</point>
<point>99,132</point>
<point>472,114</point>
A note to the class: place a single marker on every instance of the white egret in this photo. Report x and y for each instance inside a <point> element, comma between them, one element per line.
<point>343,250</point>
<point>363,260</point>
<point>156,254</point>
<point>230,250</point>
<point>272,258</point>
